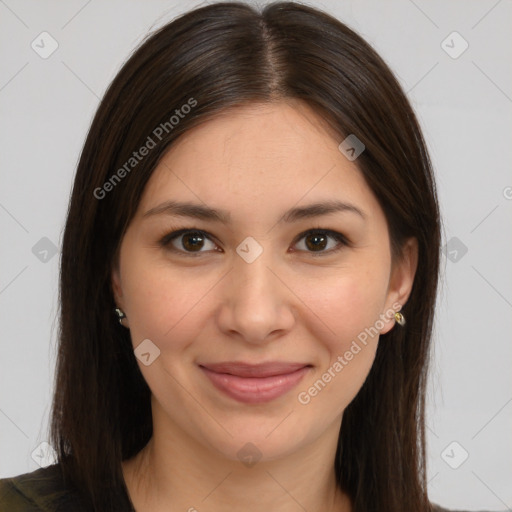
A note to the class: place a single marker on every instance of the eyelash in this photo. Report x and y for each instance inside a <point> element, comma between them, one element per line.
<point>166,240</point>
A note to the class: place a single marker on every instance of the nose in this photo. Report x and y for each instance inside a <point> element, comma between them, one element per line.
<point>257,304</point>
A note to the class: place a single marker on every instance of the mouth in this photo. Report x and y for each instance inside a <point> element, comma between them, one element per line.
<point>249,383</point>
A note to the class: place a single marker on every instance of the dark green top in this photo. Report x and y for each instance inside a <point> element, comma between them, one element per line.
<point>43,490</point>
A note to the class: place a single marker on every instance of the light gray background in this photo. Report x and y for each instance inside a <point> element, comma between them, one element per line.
<point>465,108</point>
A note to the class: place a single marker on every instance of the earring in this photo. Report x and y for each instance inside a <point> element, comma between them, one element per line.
<point>400,319</point>
<point>120,315</point>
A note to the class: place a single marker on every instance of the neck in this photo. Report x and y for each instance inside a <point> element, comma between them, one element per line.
<point>175,472</point>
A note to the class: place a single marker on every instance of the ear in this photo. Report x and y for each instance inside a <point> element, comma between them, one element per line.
<point>117,290</point>
<point>401,282</point>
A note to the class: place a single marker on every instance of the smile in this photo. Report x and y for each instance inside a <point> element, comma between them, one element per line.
<point>255,383</point>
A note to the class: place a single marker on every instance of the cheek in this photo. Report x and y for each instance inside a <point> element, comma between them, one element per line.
<point>349,305</point>
<point>162,305</point>
<point>350,352</point>
<point>350,310</point>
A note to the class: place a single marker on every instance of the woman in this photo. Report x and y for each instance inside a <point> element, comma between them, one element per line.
<point>248,279</point>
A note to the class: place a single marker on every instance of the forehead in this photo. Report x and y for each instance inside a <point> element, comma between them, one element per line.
<point>262,154</point>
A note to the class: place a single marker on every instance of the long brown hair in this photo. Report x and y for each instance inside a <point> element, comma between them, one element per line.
<point>213,58</point>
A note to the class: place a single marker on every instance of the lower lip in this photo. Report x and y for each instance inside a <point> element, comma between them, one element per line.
<point>254,390</point>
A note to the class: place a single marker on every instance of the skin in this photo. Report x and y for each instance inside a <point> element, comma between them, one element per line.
<point>288,305</point>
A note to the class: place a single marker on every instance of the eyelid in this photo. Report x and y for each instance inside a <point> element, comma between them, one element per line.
<point>331,232</point>
<point>342,240</point>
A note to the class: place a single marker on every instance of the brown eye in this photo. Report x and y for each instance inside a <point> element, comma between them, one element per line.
<point>187,241</point>
<point>317,241</point>
<point>192,241</point>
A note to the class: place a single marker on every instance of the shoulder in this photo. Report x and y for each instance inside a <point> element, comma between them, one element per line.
<point>42,490</point>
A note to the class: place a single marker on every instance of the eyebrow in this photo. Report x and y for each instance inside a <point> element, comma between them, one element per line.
<point>203,212</point>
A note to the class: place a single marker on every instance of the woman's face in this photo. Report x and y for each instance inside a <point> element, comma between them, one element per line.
<point>253,286</point>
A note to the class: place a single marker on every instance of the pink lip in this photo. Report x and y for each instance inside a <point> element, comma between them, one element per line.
<point>255,383</point>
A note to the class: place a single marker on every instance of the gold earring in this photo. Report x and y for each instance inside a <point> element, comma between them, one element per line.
<point>400,319</point>
<point>120,314</point>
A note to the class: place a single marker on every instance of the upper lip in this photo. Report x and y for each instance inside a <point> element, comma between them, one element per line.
<point>242,369</point>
